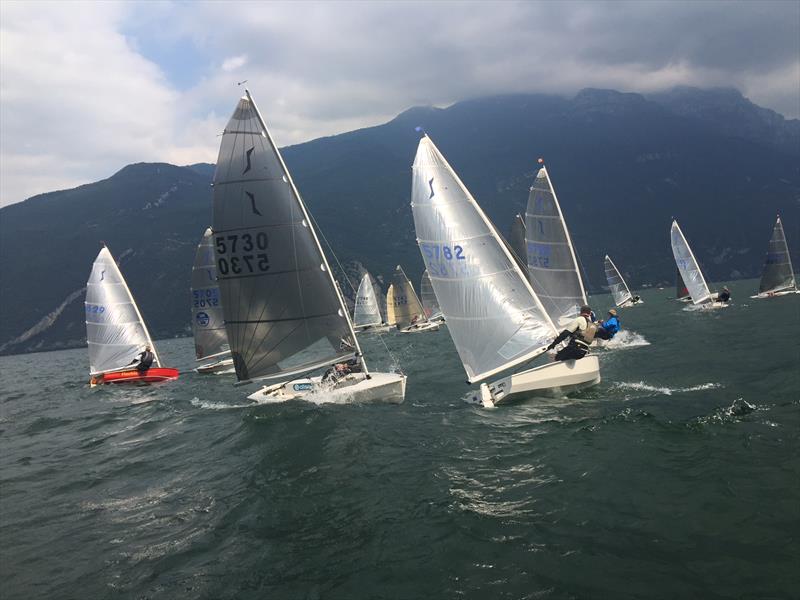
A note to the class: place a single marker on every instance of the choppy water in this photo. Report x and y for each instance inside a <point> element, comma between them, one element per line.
<point>659,483</point>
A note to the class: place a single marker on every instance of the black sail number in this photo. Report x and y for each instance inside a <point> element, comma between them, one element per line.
<point>242,254</point>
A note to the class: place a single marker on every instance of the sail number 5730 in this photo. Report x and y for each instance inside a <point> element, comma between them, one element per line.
<point>242,254</point>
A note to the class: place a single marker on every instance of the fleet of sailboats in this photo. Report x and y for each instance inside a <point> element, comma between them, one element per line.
<point>115,330</point>
<point>495,318</point>
<point>777,276</point>
<point>208,322</point>
<point>265,305</point>
<point>284,315</point>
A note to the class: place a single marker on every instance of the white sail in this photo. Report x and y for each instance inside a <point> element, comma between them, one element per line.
<point>429,302</point>
<point>619,289</point>
<point>115,331</point>
<point>494,317</point>
<point>688,267</point>
<point>208,322</point>
<point>283,312</point>
<point>778,274</point>
<point>516,241</point>
<point>552,264</point>
<point>367,312</point>
<point>391,319</point>
<point>407,307</point>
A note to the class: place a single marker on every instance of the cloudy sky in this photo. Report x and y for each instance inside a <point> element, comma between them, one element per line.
<point>86,88</point>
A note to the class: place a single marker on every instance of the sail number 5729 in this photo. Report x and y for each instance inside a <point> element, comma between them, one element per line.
<point>242,254</point>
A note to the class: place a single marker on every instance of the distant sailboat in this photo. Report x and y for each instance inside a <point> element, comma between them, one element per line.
<point>284,315</point>
<point>391,319</point>
<point>552,263</point>
<point>777,278</point>
<point>208,322</point>
<point>495,318</point>
<point>429,302</point>
<point>115,331</point>
<point>619,289</point>
<point>408,311</point>
<point>367,313</point>
<point>690,271</point>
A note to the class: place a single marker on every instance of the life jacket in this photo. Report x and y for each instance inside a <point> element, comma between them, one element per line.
<point>585,337</point>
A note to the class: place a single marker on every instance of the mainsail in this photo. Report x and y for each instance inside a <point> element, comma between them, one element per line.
<point>778,274</point>
<point>208,322</point>
<point>494,317</point>
<point>283,311</point>
<point>680,287</point>
<point>429,302</point>
<point>391,319</point>
<point>115,330</point>
<point>366,312</point>
<point>688,267</point>
<point>407,307</point>
<point>552,263</point>
<point>619,289</point>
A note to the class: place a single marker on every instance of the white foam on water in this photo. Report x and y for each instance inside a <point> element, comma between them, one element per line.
<point>626,339</point>
<point>667,391</point>
<point>217,405</point>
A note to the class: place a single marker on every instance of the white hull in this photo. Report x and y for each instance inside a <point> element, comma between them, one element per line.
<point>374,329</point>
<point>221,366</point>
<point>420,328</point>
<point>707,306</point>
<point>355,387</point>
<point>776,294</point>
<point>553,379</point>
<point>629,303</point>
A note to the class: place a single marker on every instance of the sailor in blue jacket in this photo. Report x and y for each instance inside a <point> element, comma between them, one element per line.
<point>608,328</point>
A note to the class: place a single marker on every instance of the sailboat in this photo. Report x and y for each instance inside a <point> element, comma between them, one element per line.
<point>681,291</point>
<point>208,323</point>
<point>284,315</point>
<point>391,319</point>
<point>690,271</point>
<point>429,302</point>
<point>408,312</point>
<point>552,263</point>
<point>367,313</point>
<point>115,331</point>
<point>494,316</point>
<point>777,278</point>
<point>619,289</point>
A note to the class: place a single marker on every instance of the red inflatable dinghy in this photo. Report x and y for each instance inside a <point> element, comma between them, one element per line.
<point>152,375</point>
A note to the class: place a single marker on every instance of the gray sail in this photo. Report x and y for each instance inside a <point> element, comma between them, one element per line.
<point>778,274</point>
<point>516,241</point>
<point>283,313</point>
<point>619,289</point>
<point>552,264</point>
<point>492,313</point>
<point>407,307</point>
<point>429,302</point>
<point>208,321</point>
<point>115,330</point>
<point>687,266</point>
<point>366,311</point>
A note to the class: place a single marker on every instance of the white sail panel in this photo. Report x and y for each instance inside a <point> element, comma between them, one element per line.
<point>282,310</point>
<point>552,264</point>
<point>366,312</point>
<point>407,307</point>
<point>493,316</point>
<point>208,321</point>
<point>778,274</point>
<point>391,319</point>
<point>619,289</point>
<point>688,267</point>
<point>115,331</point>
<point>428,296</point>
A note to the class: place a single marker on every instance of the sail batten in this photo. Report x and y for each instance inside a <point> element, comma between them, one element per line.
<point>687,266</point>
<point>777,274</point>
<point>282,308</point>
<point>552,264</point>
<point>494,317</point>
<point>115,331</point>
<point>619,289</point>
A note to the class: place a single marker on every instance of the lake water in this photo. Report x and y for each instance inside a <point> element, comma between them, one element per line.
<point>658,483</point>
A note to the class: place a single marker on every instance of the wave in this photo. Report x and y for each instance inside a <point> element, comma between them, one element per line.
<point>626,339</point>
<point>667,391</point>
<point>217,405</point>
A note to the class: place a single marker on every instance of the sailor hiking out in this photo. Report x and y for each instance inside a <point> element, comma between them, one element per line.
<point>610,327</point>
<point>145,360</point>
<point>581,332</point>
